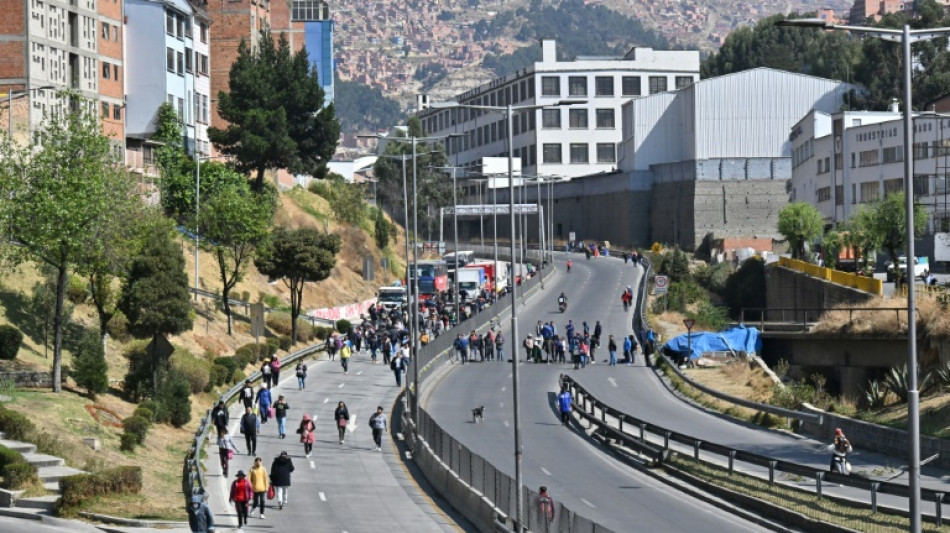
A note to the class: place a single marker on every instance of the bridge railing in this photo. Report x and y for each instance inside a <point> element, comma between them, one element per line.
<point>631,432</point>
<point>804,316</point>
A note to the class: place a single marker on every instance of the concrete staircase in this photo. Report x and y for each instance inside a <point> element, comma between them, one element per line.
<point>50,470</point>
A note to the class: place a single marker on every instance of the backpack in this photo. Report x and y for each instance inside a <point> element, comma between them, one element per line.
<point>301,370</point>
<point>393,365</point>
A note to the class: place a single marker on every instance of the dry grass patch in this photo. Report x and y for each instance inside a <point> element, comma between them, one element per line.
<point>871,318</point>
<point>736,379</point>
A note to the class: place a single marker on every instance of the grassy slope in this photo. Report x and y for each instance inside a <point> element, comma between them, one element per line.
<point>66,415</point>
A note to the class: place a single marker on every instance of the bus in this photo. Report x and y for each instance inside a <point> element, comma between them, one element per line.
<point>458,259</point>
<point>433,278</point>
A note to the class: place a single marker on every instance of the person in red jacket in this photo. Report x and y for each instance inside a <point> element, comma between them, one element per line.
<point>241,495</point>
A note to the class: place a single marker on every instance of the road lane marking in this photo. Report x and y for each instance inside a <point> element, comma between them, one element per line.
<point>509,375</point>
<point>341,385</point>
<point>506,423</point>
<point>545,470</point>
<point>352,425</point>
<point>501,404</point>
<point>592,506</point>
<point>612,381</point>
<point>312,465</point>
<point>323,497</point>
<point>503,389</point>
<point>360,373</point>
<point>325,400</point>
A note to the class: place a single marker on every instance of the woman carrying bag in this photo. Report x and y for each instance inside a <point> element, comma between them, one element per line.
<point>307,436</point>
<point>342,417</point>
<point>226,450</point>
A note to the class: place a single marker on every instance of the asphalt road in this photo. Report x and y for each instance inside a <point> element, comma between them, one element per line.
<point>577,474</point>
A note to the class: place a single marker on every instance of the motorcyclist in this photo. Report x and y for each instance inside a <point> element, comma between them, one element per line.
<point>562,301</point>
<point>840,449</point>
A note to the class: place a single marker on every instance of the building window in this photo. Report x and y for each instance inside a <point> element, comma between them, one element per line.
<point>181,64</point>
<point>683,81</point>
<point>824,194</point>
<point>105,30</point>
<point>189,67</point>
<point>893,154</point>
<point>203,32</point>
<point>170,23</point>
<point>605,119</point>
<point>180,30</point>
<point>550,118</point>
<point>921,150</point>
<point>893,186</point>
<point>310,11</point>
<point>105,71</point>
<point>115,72</point>
<point>577,86</point>
<point>116,112</point>
<point>105,109</point>
<point>181,109</point>
<point>868,158</point>
<point>630,86</point>
<point>170,59</point>
<point>551,153</point>
<point>550,86</point>
<point>579,153</point>
<point>603,86</point>
<point>577,118</point>
<point>922,185</point>
<point>187,23</point>
<point>606,153</point>
<point>202,64</point>
<point>870,192</point>
<point>657,84</point>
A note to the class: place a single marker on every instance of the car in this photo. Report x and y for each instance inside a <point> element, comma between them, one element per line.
<point>921,267</point>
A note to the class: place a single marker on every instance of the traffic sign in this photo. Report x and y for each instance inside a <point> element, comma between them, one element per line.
<point>571,236</point>
<point>661,284</point>
<point>689,323</point>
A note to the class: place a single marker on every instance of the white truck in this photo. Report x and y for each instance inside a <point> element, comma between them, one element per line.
<point>921,267</point>
<point>392,297</point>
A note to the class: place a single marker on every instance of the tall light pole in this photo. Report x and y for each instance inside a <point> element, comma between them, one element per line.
<point>906,37</point>
<point>510,111</point>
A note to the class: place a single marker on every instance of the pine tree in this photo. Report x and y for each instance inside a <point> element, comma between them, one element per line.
<point>89,368</point>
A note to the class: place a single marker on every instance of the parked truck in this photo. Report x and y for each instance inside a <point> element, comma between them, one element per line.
<point>392,297</point>
<point>496,274</point>
<point>472,280</point>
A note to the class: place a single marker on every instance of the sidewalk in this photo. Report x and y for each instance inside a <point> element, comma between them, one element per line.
<point>349,487</point>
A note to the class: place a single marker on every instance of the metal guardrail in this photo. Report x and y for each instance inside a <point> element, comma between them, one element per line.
<point>640,311</point>
<point>192,478</point>
<point>247,307</point>
<point>588,405</point>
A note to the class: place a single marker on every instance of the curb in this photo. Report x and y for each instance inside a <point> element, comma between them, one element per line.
<point>132,522</point>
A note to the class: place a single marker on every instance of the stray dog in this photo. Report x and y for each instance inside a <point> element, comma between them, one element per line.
<point>478,414</point>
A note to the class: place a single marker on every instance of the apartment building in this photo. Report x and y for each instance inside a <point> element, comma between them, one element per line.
<point>234,20</point>
<point>168,62</point>
<point>307,23</point>
<point>568,141</point>
<point>51,45</point>
<point>845,160</point>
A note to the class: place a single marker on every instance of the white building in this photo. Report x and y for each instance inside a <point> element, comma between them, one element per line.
<point>569,140</point>
<point>848,159</point>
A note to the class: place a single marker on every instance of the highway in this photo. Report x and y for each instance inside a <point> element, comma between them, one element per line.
<point>576,473</point>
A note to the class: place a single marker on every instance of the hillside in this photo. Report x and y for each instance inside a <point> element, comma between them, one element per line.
<point>69,415</point>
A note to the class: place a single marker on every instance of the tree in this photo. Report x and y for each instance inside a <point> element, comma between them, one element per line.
<point>170,154</point>
<point>57,191</point>
<point>859,235</point>
<point>382,229</point>
<point>234,221</point>
<point>155,295</point>
<point>89,367</point>
<point>297,257</point>
<point>799,223</point>
<point>275,112</point>
<point>889,227</point>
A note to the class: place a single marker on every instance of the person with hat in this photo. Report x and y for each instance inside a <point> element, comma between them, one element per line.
<point>280,471</point>
<point>241,495</point>
<point>200,518</point>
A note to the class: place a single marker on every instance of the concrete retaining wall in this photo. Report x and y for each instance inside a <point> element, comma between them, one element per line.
<point>29,380</point>
<point>786,288</point>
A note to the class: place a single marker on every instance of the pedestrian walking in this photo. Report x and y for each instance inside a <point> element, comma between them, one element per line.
<point>250,425</point>
<point>275,370</point>
<point>500,346</point>
<point>266,373</point>
<point>241,496</point>
<point>397,365</point>
<point>301,372</point>
<point>259,484</point>
<point>529,346</point>
<point>564,400</point>
<point>280,413</point>
<point>378,424</point>
<point>226,451</point>
<point>345,352</point>
<point>612,350</point>
<point>220,417</point>
<point>545,508</point>
<point>630,346</point>
<point>280,471</point>
<point>264,401</point>
<point>247,394</point>
<point>342,417</point>
<point>306,432</point>
<point>200,518</point>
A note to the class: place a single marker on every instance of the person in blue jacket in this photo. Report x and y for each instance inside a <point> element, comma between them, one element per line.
<point>564,405</point>
<point>264,402</point>
<point>628,350</point>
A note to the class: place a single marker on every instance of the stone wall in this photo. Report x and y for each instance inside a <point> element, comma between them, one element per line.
<point>29,380</point>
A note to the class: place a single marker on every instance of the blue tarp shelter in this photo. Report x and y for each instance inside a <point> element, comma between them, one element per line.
<point>735,339</point>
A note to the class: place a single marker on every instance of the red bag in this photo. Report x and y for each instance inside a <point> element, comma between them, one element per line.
<point>341,423</point>
<point>271,492</point>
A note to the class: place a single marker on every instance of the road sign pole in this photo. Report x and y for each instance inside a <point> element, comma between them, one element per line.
<point>689,323</point>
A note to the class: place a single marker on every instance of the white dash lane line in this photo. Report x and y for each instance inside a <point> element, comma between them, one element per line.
<point>360,373</point>
<point>341,385</point>
<point>503,389</point>
<point>325,400</point>
<point>545,470</point>
<point>592,506</point>
<point>612,381</point>
<point>323,497</point>
<point>506,423</point>
<point>351,427</point>
<point>312,465</point>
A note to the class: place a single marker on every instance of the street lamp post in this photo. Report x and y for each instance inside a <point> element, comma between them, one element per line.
<point>906,37</point>
<point>509,111</point>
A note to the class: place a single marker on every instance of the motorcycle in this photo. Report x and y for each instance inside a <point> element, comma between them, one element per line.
<point>562,305</point>
<point>841,465</point>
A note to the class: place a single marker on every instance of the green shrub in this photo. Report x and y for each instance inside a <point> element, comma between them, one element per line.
<point>271,301</point>
<point>196,371</point>
<point>319,188</point>
<point>137,426</point>
<point>174,391</point>
<point>245,296</point>
<point>118,327</point>
<point>138,378</point>
<point>19,475</point>
<point>746,287</point>
<point>79,488</point>
<point>343,326</point>
<point>128,442</point>
<point>151,405</point>
<point>77,291</point>
<point>713,277</point>
<point>279,323</point>
<point>272,346</point>
<point>322,332</point>
<point>9,456</point>
<point>219,376</point>
<point>143,412</point>
<point>249,354</point>
<point>238,376</point>
<point>285,342</point>
<point>710,316</point>
<point>793,395</point>
<point>10,341</point>
<point>89,367</point>
<point>15,425</point>
<point>229,363</point>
